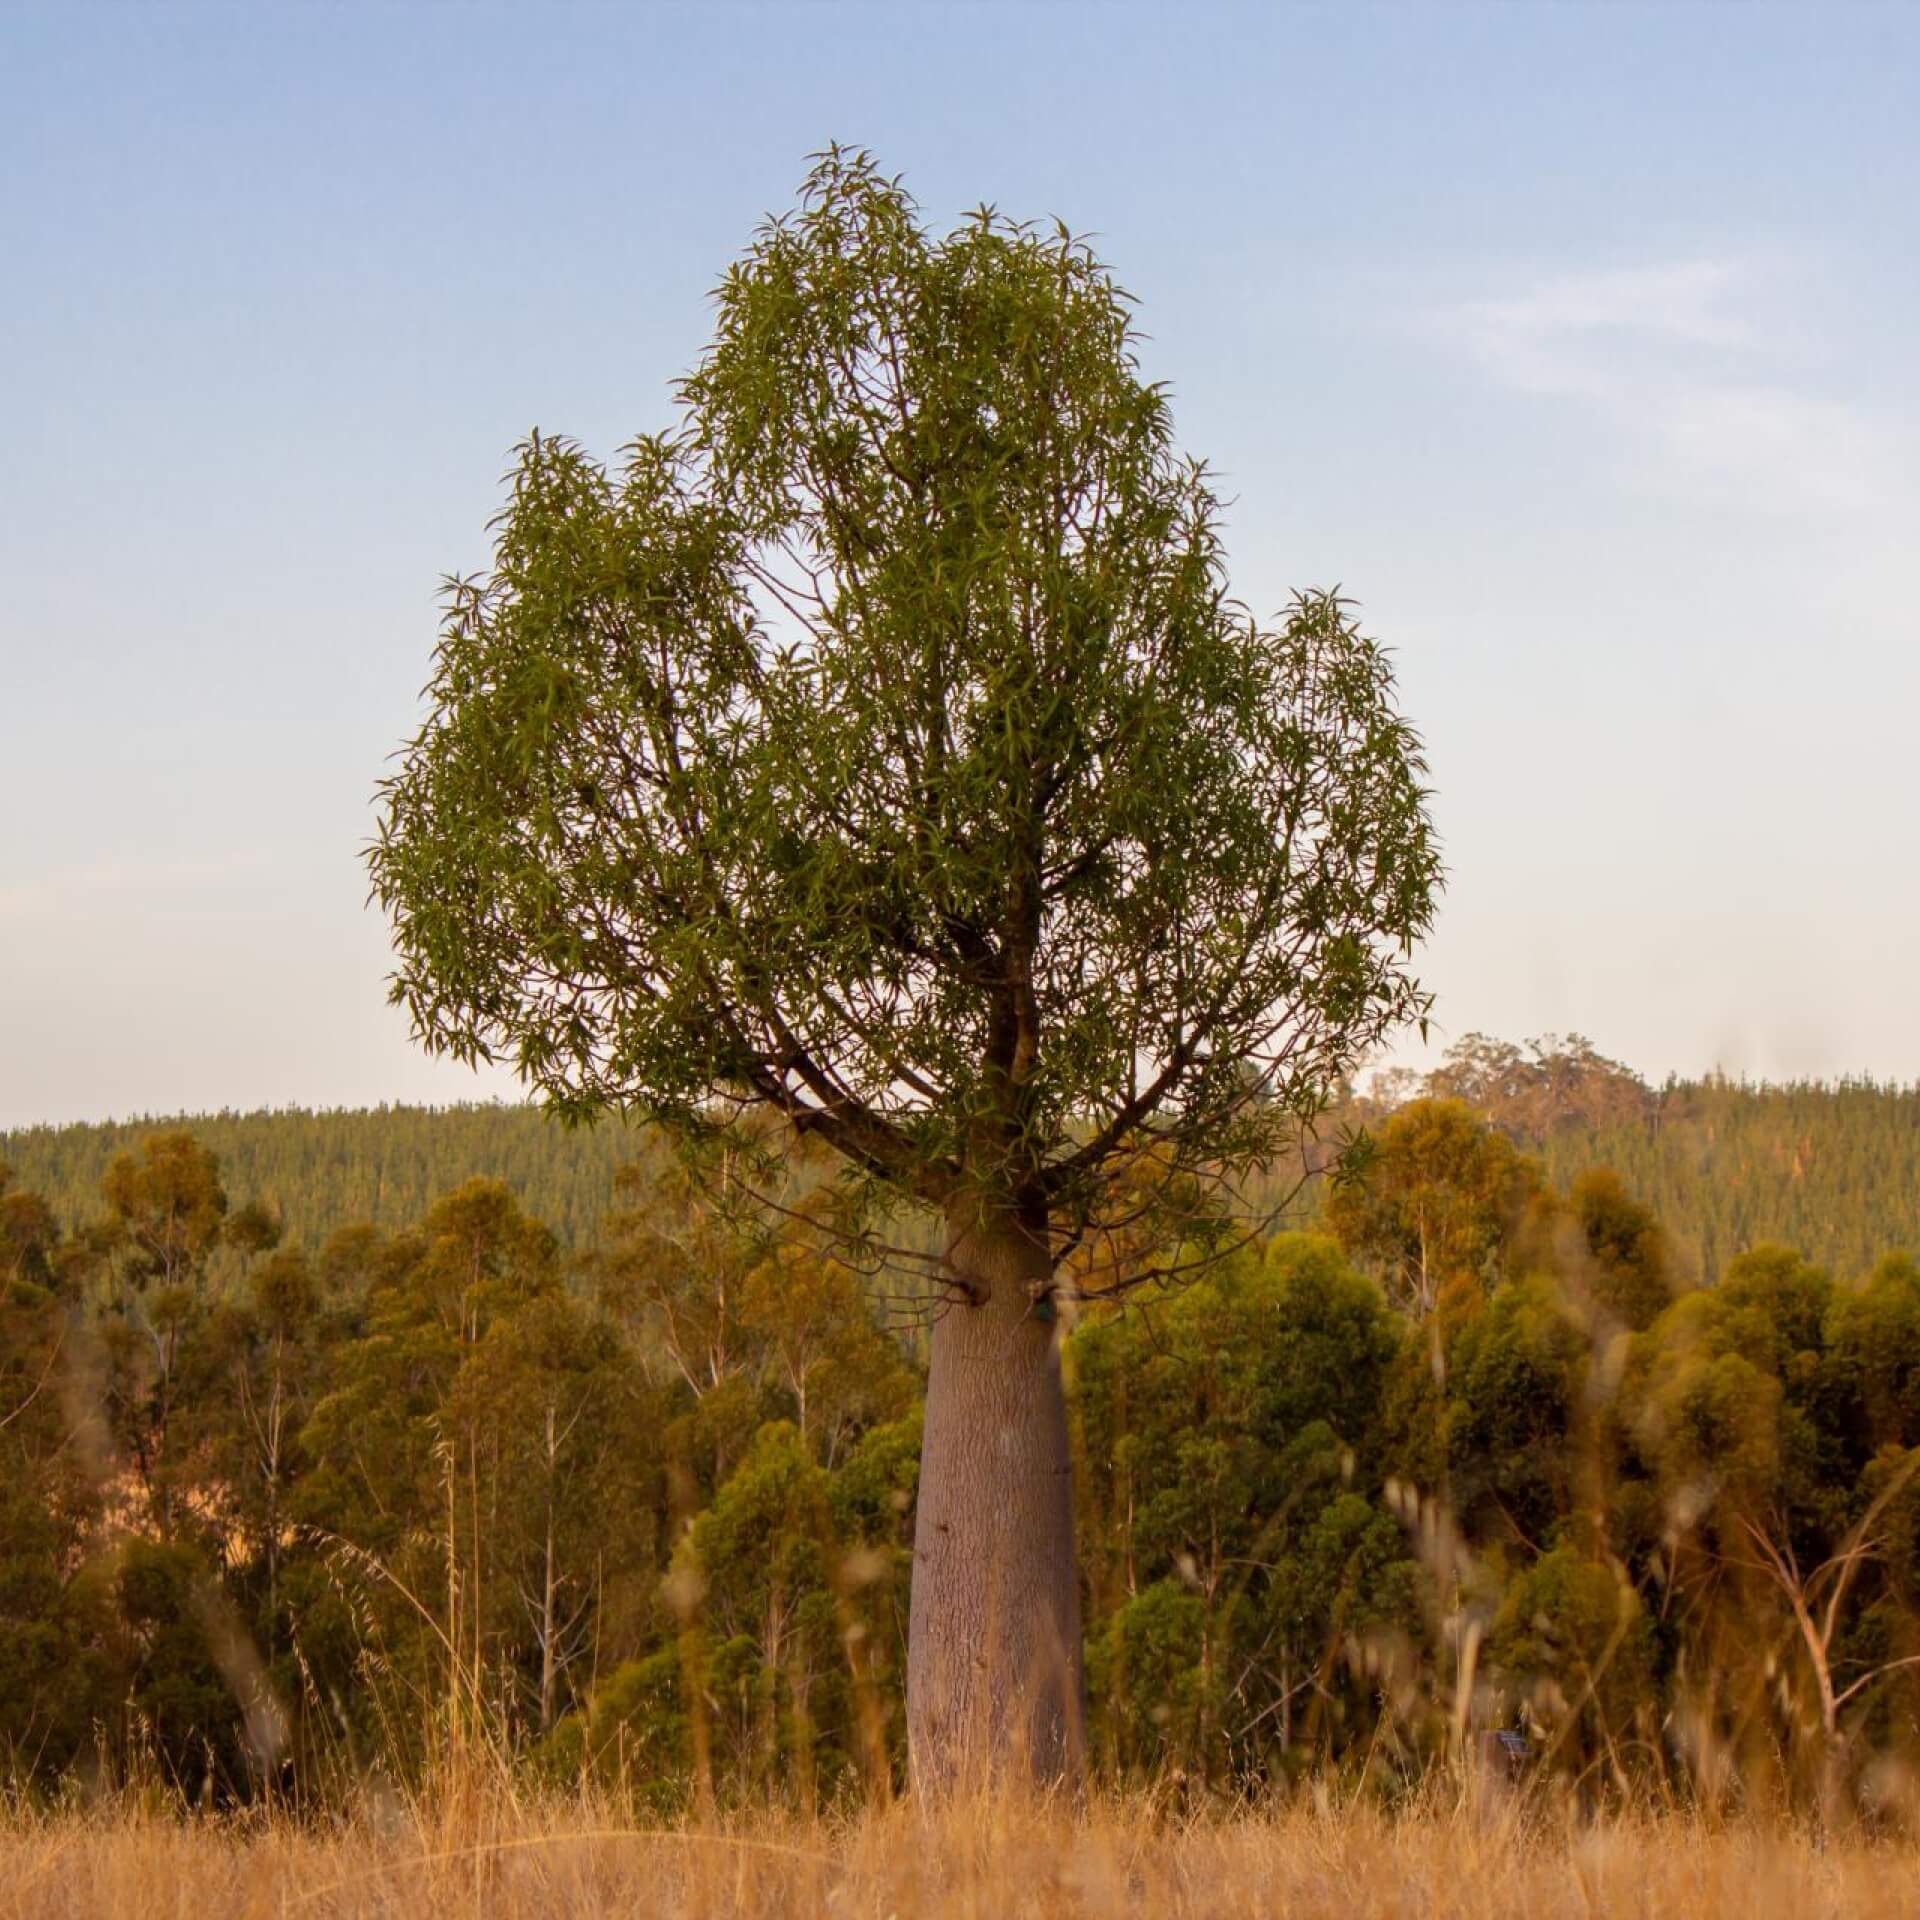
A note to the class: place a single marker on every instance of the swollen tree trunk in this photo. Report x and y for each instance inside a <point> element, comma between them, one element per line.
<point>993,1659</point>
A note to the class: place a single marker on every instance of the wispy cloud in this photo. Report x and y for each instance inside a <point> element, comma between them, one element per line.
<point>1692,370</point>
<point>1554,334</point>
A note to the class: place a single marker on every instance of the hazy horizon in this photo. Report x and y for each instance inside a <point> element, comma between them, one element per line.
<point>1573,344</point>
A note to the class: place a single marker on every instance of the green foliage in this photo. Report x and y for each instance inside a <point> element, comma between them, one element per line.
<point>1872,1337</point>
<point>1442,1197</point>
<point>1230,1503</point>
<point>56,1661</point>
<point>636,1734</point>
<point>167,1207</point>
<point>1515,1375</point>
<point>1573,1641</point>
<point>1632,1278</point>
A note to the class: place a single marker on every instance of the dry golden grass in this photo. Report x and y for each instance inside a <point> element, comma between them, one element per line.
<point>502,1860</point>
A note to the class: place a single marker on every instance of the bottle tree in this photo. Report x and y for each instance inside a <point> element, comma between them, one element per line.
<point>879,745</point>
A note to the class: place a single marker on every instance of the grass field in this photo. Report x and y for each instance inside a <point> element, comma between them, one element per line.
<point>502,1860</point>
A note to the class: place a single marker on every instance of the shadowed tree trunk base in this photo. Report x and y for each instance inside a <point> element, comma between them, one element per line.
<point>993,1660</point>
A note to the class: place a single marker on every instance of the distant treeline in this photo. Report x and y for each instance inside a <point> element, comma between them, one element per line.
<point>1829,1167</point>
<point>1832,1168</point>
<point>382,1165</point>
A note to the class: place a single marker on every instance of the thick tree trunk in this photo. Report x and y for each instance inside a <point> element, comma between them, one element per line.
<point>993,1662</point>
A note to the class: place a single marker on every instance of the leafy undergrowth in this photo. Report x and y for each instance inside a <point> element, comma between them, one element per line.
<point>493,1857</point>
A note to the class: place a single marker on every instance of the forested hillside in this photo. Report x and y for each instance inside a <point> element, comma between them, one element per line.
<point>383,1166</point>
<point>1832,1169</point>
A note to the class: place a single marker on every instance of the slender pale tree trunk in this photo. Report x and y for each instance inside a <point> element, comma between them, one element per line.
<point>549,1589</point>
<point>993,1661</point>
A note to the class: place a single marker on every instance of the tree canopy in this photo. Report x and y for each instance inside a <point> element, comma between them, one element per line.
<point>881,744</point>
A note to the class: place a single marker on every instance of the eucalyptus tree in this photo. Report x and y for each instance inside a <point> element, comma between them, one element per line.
<point>880,745</point>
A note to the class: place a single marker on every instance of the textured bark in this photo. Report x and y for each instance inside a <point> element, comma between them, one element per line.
<point>993,1662</point>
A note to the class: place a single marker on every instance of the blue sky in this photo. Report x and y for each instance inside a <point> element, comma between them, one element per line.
<point>1577,343</point>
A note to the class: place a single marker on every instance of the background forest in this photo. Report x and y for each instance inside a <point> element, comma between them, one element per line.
<point>1567,1409</point>
<point>1830,1167</point>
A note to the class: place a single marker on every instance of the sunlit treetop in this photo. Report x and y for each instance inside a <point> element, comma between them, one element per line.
<point>880,744</point>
